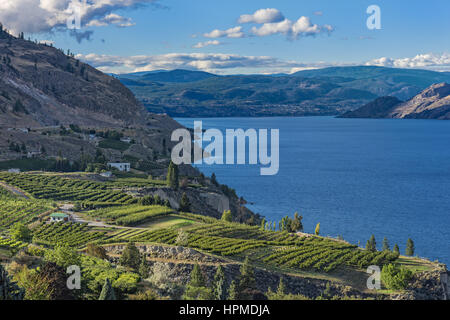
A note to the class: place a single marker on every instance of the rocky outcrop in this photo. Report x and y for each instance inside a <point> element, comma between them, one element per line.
<point>429,285</point>
<point>181,260</point>
<point>168,253</point>
<point>431,103</point>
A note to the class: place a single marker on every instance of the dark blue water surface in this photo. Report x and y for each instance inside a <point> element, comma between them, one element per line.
<point>357,177</point>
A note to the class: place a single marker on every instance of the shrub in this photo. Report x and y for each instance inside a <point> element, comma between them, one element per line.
<point>395,277</point>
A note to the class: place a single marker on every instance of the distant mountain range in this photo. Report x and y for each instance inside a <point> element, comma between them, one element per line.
<point>328,91</point>
<point>431,103</point>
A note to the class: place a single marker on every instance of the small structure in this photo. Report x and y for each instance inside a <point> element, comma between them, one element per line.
<point>121,166</point>
<point>126,139</point>
<point>33,154</point>
<point>59,217</point>
<point>107,174</point>
<point>14,170</point>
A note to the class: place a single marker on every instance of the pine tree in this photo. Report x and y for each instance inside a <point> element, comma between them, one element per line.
<point>130,256</point>
<point>196,288</point>
<point>385,244</point>
<point>197,278</point>
<point>172,176</point>
<point>409,248</point>
<point>371,244</point>
<point>396,249</point>
<point>143,268</point>
<point>107,291</point>
<point>246,280</point>
<point>297,224</point>
<point>317,230</point>
<point>219,288</point>
<point>185,205</point>
<point>213,179</point>
<point>233,291</point>
<point>281,291</point>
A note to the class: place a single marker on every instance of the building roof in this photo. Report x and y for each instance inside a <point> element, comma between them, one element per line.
<point>59,215</point>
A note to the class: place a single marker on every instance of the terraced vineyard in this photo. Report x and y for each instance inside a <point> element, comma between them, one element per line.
<point>17,210</point>
<point>320,254</point>
<point>64,189</point>
<point>12,244</point>
<point>271,248</point>
<point>130,215</point>
<point>235,230</point>
<point>73,234</point>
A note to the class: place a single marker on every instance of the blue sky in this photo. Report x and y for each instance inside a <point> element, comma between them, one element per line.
<point>169,33</point>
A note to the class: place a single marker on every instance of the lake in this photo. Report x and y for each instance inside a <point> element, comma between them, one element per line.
<point>357,177</point>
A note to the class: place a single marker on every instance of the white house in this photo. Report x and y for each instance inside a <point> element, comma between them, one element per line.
<point>14,170</point>
<point>59,217</point>
<point>121,166</point>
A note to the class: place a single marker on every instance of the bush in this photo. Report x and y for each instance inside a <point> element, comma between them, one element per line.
<point>395,277</point>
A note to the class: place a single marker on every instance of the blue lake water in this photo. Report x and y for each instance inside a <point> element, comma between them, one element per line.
<point>357,177</point>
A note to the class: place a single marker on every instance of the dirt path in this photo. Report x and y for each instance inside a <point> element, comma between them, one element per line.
<point>14,190</point>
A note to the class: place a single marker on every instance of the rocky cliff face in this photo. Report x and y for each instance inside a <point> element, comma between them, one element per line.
<point>429,285</point>
<point>42,86</point>
<point>431,103</point>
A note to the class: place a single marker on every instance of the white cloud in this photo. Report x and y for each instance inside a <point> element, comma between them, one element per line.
<point>207,43</point>
<point>438,62</point>
<point>235,32</point>
<point>301,27</point>
<point>34,16</point>
<point>318,13</point>
<point>269,15</point>
<point>110,19</point>
<point>267,29</point>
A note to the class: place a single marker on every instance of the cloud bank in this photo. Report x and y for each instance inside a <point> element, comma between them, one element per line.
<point>35,16</point>
<point>221,63</point>
<point>438,62</point>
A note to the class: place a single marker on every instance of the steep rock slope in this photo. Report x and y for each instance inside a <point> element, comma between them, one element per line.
<point>431,103</point>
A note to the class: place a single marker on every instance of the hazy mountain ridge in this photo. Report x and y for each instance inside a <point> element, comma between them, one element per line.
<point>328,91</point>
